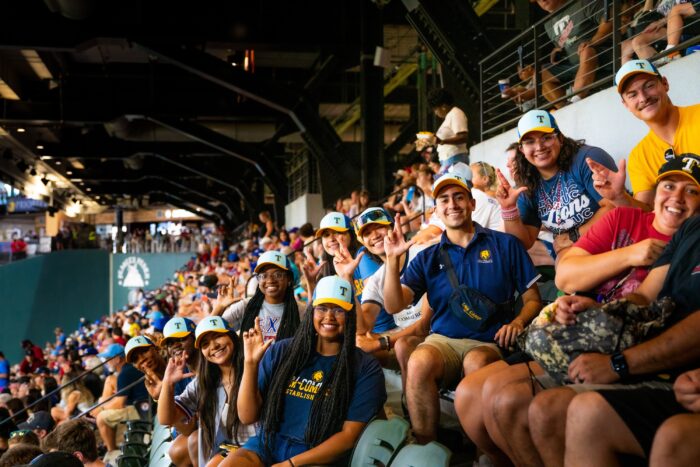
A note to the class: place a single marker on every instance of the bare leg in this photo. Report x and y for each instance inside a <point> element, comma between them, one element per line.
<point>595,433</point>
<point>242,458</point>
<point>469,408</point>
<point>643,43</point>
<point>106,433</point>
<point>674,25</point>
<point>479,358</point>
<point>509,405</point>
<point>585,75</point>
<point>547,420</point>
<point>551,88</point>
<point>671,447</point>
<point>404,347</point>
<point>178,452</point>
<point>425,368</point>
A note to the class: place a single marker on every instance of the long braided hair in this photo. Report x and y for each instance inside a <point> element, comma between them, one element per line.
<point>330,406</point>
<point>528,174</point>
<point>208,380</point>
<point>290,315</point>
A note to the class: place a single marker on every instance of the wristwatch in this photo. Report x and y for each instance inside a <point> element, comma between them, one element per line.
<point>619,365</point>
<point>384,342</point>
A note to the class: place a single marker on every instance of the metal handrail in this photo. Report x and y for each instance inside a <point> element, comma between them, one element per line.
<point>57,390</point>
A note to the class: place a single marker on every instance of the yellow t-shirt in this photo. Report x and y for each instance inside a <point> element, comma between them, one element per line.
<point>648,155</point>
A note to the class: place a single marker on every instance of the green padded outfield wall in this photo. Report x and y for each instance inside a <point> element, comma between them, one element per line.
<point>55,290</point>
<point>146,271</point>
<point>40,293</point>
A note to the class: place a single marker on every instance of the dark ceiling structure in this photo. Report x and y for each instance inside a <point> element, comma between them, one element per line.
<point>202,105</point>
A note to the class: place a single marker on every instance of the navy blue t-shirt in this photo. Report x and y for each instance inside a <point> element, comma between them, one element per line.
<point>368,397</point>
<point>494,263</point>
<point>126,376</point>
<point>367,267</point>
<point>567,200</point>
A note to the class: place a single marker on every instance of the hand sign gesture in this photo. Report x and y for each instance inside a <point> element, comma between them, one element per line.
<point>254,346</point>
<point>344,264</point>
<point>609,184</point>
<point>506,195</point>
<point>175,371</point>
<point>310,268</point>
<point>225,297</point>
<point>395,243</point>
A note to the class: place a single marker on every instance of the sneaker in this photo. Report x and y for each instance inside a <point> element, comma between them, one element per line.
<point>667,59</point>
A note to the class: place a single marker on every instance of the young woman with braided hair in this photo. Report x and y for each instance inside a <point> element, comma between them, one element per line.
<point>312,395</point>
<point>273,302</point>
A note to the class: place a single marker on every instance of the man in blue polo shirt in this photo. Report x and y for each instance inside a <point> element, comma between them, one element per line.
<point>493,265</point>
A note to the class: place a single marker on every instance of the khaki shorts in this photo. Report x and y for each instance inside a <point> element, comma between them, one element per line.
<point>112,417</point>
<point>453,352</point>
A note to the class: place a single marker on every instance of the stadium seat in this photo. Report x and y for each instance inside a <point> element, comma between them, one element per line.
<point>380,440</point>
<point>131,461</point>
<point>432,454</point>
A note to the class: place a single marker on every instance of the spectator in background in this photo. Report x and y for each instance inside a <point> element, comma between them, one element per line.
<point>122,407</point>
<point>18,247</point>
<point>23,437</point>
<point>37,359</point>
<point>452,136</point>
<point>487,212</point>
<point>20,454</point>
<point>4,372</point>
<point>40,423</point>
<point>675,25</point>
<point>581,31</point>
<point>268,225</point>
<point>78,438</point>
<point>75,397</point>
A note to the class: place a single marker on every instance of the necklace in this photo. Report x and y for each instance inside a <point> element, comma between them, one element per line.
<point>551,201</point>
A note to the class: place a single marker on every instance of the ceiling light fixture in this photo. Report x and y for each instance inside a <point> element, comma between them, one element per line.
<point>21,130</point>
<point>39,146</point>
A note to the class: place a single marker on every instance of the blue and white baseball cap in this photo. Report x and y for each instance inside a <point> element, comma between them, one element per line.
<point>335,290</point>
<point>136,343</point>
<point>451,178</point>
<point>177,328</point>
<point>536,120</point>
<point>274,258</point>
<point>207,325</point>
<point>632,68</point>
<point>112,351</point>
<point>334,221</point>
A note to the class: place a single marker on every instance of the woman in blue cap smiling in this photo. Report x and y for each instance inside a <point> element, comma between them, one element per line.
<point>312,394</point>
<point>556,189</point>
<point>274,302</point>
<point>211,397</point>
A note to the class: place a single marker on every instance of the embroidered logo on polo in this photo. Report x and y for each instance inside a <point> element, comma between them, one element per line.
<point>304,388</point>
<point>564,207</point>
<point>485,257</point>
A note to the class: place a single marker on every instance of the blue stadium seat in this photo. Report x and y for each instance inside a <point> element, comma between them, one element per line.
<point>432,454</point>
<point>380,440</point>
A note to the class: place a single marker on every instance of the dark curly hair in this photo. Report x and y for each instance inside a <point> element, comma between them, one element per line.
<point>528,174</point>
<point>440,96</point>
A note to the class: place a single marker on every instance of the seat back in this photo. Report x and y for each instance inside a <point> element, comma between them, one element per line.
<point>432,454</point>
<point>379,442</point>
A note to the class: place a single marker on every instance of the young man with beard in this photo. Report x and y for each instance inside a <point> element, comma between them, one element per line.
<point>673,130</point>
<point>492,264</point>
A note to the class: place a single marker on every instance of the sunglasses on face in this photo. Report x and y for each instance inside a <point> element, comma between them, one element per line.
<point>370,217</point>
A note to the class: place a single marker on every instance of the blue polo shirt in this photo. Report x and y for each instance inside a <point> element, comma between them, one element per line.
<point>494,263</point>
<point>367,267</point>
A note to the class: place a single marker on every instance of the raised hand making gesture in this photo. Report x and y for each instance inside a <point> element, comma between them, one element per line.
<point>609,184</point>
<point>310,268</point>
<point>395,243</point>
<point>506,195</point>
<point>175,371</point>
<point>344,264</point>
<point>254,346</point>
<point>225,297</point>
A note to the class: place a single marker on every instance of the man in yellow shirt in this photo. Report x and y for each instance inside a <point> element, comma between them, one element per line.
<point>673,130</point>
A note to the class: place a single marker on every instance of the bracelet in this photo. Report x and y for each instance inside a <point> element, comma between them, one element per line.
<point>290,462</point>
<point>510,214</point>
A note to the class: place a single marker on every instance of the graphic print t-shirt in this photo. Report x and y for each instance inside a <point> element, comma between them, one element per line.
<point>368,397</point>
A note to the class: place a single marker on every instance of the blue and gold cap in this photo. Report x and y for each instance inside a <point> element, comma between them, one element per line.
<point>370,216</point>
<point>334,221</point>
<point>335,290</point>
<point>274,258</point>
<point>536,120</point>
<point>632,68</point>
<point>136,343</point>
<point>207,325</point>
<point>177,328</point>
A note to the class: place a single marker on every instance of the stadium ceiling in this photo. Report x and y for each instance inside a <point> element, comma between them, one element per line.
<point>195,104</point>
